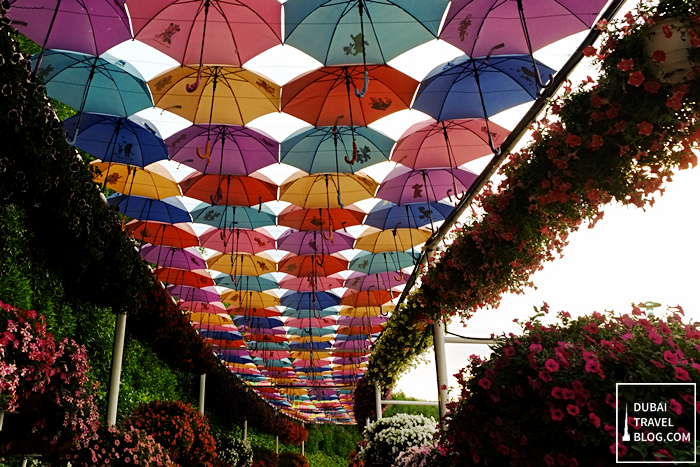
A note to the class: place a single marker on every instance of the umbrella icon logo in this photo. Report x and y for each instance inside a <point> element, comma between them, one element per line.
<point>380,103</point>
<point>357,46</point>
<point>164,81</point>
<point>165,37</point>
<point>265,87</point>
<point>464,26</point>
<point>363,155</point>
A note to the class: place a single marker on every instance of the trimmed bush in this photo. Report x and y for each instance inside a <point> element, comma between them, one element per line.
<point>291,459</point>
<point>387,437</point>
<point>234,452</point>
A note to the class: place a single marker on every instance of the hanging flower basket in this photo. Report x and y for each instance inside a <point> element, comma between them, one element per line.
<point>668,44</point>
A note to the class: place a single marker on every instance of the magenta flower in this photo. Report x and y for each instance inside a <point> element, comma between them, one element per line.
<point>551,365</point>
<point>572,409</point>
<point>682,374</point>
<point>671,357</point>
<point>485,383</point>
<point>595,420</point>
<point>655,337</point>
<point>675,406</point>
<point>556,414</point>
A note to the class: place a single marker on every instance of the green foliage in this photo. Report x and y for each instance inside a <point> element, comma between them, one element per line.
<point>334,440</point>
<point>321,459</point>
<point>425,410</point>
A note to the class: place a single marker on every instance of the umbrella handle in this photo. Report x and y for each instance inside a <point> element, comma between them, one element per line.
<point>217,198</point>
<point>193,87</point>
<point>259,203</point>
<point>329,237</point>
<point>354,154</point>
<point>399,276</point>
<point>361,94</point>
<point>207,153</point>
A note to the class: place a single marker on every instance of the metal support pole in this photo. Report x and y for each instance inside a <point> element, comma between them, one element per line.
<point>302,443</point>
<point>441,364</point>
<point>202,383</point>
<point>245,429</point>
<point>277,444</point>
<point>24,461</point>
<point>367,423</point>
<point>117,355</point>
<point>2,418</point>
<point>378,400</point>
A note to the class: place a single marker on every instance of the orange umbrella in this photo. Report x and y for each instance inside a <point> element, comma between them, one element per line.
<point>229,190</point>
<point>242,264</point>
<point>314,265</point>
<point>320,219</point>
<point>326,97</point>
<point>367,298</point>
<point>193,278</point>
<point>158,233</point>
<point>328,190</point>
<point>358,330</point>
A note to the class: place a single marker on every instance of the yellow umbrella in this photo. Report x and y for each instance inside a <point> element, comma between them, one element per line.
<point>306,354</point>
<point>284,380</point>
<point>378,241</point>
<point>249,299</point>
<point>242,264</point>
<point>294,391</point>
<point>152,182</point>
<point>327,190</point>
<point>295,338</point>
<point>225,95</point>
<point>210,318</point>
<point>359,312</point>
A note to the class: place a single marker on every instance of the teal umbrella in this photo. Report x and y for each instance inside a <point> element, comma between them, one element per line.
<point>254,283</point>
<point>292,313</point>
<point>101,85</point>
<point>233,217</point>
<point>389,261</point>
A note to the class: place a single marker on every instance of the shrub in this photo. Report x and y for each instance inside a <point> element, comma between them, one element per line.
<point>263,457</point>
<point>387,437</point>
<point>294,434</point>
<point>561,380</point>
<point>291,459</point>
<point>234,452</point>
<point>427,455</point>
<point>180,429</point>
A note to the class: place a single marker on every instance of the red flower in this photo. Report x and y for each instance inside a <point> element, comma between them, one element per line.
<point>658,56</point>
<point>591,328</point>
<point>595,420</point>
<point>589,51</point>
<point>682,374</point>
<point>485,383</point>
<point>644,128</point>
<point>556,414</point>
<point>573,140</point>
<point>572,409</point>
<point>548,460</point>
<point>592,366</point>
<point>557,393</point>
<point>625,65</point>
<point>671,357</point>
<point>636,78</point>
<point>667,31</point>
<point>551,365</point>
<point>596,100</point>
<point>651,86</point>
<point>655,337</point>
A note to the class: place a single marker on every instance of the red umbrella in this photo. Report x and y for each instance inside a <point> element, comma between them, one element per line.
<point>367,298</point>
<point>254,312</point>
<point>451,143</point>
<point>158,233</point>
<point>193,278</point>
<point>326,97</point>
<point>320,219</point>
<point>229,190</point>
<point>309,284</point>
<point>311,265</point>
<point>237,240</point>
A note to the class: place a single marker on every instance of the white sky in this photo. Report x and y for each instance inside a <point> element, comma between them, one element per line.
<point>631,255</point>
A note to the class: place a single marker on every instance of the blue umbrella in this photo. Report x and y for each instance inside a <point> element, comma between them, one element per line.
<point>387,215</point>
<point>255,322</point>
<point>479,87</point>
<point>131,141</point>
<point>268,346</point>
<point>311,331</point>
<point>222,335</point>
<point>310,300</point>
<point>233,217</point>
<point>148,209</point>
<point>103,85</point>
<point>330,149</point>
<point>292,313</point>
<point>309,345</point>
<point>254,283</point>
<point>389,261</point>
<point>235,359</point>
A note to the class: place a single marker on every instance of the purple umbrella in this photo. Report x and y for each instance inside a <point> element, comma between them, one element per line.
<point>172,257</point>
<point>382,281</point>
<point>223,149</point>
<point>184,292</point>
<point>350,361</point>
<point>313,242</point>
<point>405,186</point>
<point>520,27</point>
<point>366,321</point>
<point>352,345</point>
<point>87,26</point>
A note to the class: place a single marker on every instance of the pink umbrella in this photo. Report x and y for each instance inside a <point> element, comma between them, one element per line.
<point>382,281</point>
<point>449,143</point>
<point>205,294</point>
<point>311,283</point>
<point>172,257</point>
<point>203,307</point>
<point>237,240</point>
<point>405,186</point>
<point>313,242</point>
<point>302,323</point>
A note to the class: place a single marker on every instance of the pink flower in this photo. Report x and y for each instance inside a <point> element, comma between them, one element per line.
<point>509,352</point>
<point>595,420</point>
<point>556,414</point>
<point>644,128</point>
<point>535,347</point>
<point>625,65</point>
<point>545,376</point>
<point>485,383</point>
<point>551,365</point>
<point>675,406</point>
<point>589,51</point>
<point>622,450</point>
<point>636,78</point>
<point>592,366</point>
<point>655,337</point>
<point>572,409</point>
<point>557,393</point>
<point>682,374</point>
<point>663,455</point>
<point>671,357</point>
<point>591,328</point>
<point>548,460</point>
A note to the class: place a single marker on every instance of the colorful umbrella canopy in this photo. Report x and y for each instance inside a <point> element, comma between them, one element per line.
<point>292,313</point>
<point>259,323</point>
<point>187,293</point>
<point>335,149</point>
<point>147,209</point>
<point>311,283</point>
<point>379,281</point>
<point>255,283</point>
<point>311,265</point>
<point>192,278</point>
<point>132,141</point>
<point>87,26</point>
<point>226,95</point>
<point>367,298</point>
<point>388,215</point>
<point>366,311</point>
<point>311,331</point>
<point>404,186</point>
<point>325,97</point>
<point>101,85</point>
<point>478,87</point>
<point>228,189</point>
<point>448,143</point>
<point>364,321</point>
<point>241,264</point>
<point>233,217</point>
<point>391,240</point>
<point>227,32</point>
<point>319,191</point>
<point>237,240</point>
<point>204,307</point>
<point>309,300</point>
<point>210,318</point>
<point>233,149</point>
<point>310,243</point>
<point>389,261</point>
<point>520,27</point>
<point>339,32</point>
<point>256,312</point>
<point>158,233</point>
<point>154,182</point>
<point>170,257</point>
<point>249,299</point>
<point>320,219</point>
